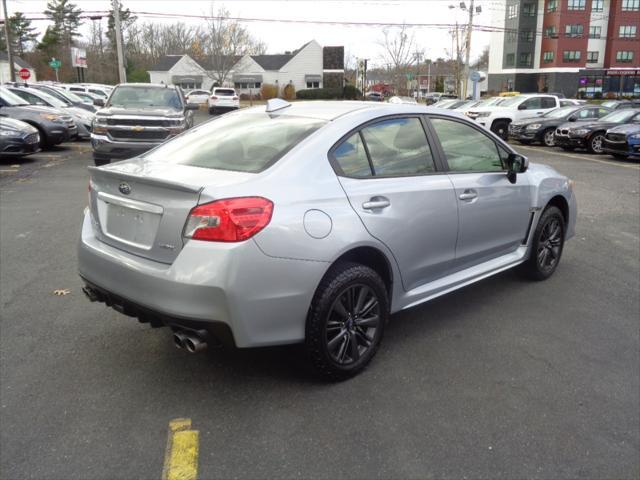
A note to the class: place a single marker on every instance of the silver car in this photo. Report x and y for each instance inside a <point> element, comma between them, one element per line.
<point>312,222</point>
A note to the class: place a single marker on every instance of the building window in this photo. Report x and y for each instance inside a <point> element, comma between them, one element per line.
<point>245,85</point>
<point>574,30</point>
<point>552,5</point>
<point>526,36</point>
<point>548,57</point>
<point>597,6</point>
<point>313,84</point>
<point>571,55</point>
<point>529,10</point>
<point>577,4</point>
<point>595,32</point>
<point>551,32</point>
<point>512,35</point>
<point>628,31</point>
<point>624,56</point>
<point>630,5</point>
<point>510,59</point>
<point>592,57</point>
<point>512,11</point>
<point>524,60</point>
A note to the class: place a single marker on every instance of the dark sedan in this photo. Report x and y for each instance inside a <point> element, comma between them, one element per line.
<point>623,141</point>
<point>542,129</point>
<point>590,135</point>
<point>17,138</point>
<point>622,104</point>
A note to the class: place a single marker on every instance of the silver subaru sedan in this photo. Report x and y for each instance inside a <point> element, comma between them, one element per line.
<point>312,222</point>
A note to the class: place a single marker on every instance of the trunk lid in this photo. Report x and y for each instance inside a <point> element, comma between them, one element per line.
<point>141,207</point>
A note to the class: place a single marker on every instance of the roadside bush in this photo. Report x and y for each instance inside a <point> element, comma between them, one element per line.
<point>246,96</point>
<point>320,94</point>
<point>350,92</point>
<point>268,91</point>
<point>289,92</point>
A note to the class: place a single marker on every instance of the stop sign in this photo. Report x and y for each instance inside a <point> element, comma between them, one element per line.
<point>24,74</point>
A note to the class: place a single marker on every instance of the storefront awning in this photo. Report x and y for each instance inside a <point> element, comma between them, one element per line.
<point>244,78</point>
<point>313,78</point>
<point>175,79</point>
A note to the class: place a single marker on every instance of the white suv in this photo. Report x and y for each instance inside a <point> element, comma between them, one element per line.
<point>223,99</point>
<point>498,117</point>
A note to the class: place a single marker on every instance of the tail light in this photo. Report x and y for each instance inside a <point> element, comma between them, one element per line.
<point>229,220</point>
<point>235,98</point>
<point>213,97</point>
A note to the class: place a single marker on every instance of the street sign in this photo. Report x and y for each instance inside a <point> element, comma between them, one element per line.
<point>24,74</point>
<point>475,76</point>
<point>55,64</point>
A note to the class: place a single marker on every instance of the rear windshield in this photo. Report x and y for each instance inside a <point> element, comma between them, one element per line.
<point>145,97</point>
<point>224,93</point>
<point>245,142</point>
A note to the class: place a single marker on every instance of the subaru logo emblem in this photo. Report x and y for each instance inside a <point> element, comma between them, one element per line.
<point>124,188</point>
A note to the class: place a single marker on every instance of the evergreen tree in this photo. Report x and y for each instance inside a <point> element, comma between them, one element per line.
<point>22,34</point>
<point>66,20</point>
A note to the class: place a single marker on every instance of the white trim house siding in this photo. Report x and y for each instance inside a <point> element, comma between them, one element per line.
<point>308,61</point>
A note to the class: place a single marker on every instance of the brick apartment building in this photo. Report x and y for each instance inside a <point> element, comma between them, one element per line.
<point>586,48</point>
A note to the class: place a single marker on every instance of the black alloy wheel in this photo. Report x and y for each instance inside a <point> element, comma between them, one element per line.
<point>547,244</point>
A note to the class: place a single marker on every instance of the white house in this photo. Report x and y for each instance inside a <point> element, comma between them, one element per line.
<point>311,66</point>
<point>18,64</point>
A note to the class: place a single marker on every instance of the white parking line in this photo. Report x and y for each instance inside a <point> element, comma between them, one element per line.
<point>580,157</point>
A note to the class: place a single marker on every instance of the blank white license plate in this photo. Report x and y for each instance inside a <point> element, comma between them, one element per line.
<point>132,226</point>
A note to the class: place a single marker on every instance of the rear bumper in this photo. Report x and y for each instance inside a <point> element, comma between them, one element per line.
<point>262,300</point>
<point>104,147</point>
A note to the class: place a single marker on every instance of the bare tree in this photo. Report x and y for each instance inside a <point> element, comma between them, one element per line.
<point>397,52</point>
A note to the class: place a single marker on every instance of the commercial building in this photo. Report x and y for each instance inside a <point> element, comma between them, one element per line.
<point>18,64</point>
<point>310,66</point>
<point>585,48</point>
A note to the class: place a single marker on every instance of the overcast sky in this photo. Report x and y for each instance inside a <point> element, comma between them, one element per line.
<point>359,41</point>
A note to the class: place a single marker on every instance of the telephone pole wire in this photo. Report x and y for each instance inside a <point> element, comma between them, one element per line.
<point>7,36</point>
<point>122,73</point>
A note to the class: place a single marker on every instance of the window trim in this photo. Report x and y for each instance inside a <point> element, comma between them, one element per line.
<point>498,142</point>
<point>437,162</point>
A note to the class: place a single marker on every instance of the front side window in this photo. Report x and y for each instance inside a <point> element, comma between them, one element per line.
<point>548,102</point>
<point>467,149</point>
<point>249,142</point>
<point>534,103</point>
<point>352,157</point>
<point>398,147</point>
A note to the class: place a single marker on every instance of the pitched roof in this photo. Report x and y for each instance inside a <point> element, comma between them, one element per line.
<point>17,60</point>
<point>165,63</point>
<point>272,62</point>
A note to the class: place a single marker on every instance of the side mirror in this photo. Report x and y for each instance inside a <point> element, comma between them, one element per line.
<point>572,118</point>
<point>192,106</point>
<point>516,163</point>
<point>522,106</point>
<point>98,102</point>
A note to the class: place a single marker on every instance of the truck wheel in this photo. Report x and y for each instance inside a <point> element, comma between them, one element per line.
<point>346,321</point>
<point>501,128</point>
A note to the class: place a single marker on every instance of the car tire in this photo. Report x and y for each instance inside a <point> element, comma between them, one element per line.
<point>547,244</point>
<point>501,128</point>
<point>211,111</point>
<point>594,145</point>
<point>99,161</point>
<point>548,137</point>
<point>346,321</point>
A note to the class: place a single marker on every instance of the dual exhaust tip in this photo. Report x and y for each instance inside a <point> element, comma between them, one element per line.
<point>191,343</point>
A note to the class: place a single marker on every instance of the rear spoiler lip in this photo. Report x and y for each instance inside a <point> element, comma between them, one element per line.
<point>148,180</point>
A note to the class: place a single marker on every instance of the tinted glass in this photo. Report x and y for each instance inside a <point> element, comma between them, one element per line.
<point>352,157</point>
<point>548,102</point>
<point>398,147</point>
<point>619,116</point>
<point>224,92</point>
<point>247,142</point>
<point>533,103</point>
<point>467,149</point>
<point>10,98</point>
<point>145,97</point>
<point>560,112</point>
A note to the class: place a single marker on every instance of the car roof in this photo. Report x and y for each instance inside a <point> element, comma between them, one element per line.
<point>148,85</point>
<point>332,109</point>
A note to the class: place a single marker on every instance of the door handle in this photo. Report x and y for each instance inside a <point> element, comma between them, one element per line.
<point>376,202</point>
<point>468,195</point>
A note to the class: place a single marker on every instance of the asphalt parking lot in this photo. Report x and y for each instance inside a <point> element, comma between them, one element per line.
<point>503,379</point>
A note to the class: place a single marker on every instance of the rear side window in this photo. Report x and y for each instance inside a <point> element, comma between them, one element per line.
<point>352,157</point>
<point>548,102</point>
<point>246,142</point>
<point>398,147</point>
<point>467,149</point>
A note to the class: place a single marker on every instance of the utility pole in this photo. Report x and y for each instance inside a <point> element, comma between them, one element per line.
<point>468,52</point>
<point>7,36</point>
<point>122,73</point>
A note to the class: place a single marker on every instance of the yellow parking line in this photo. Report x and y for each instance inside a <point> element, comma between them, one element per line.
<point>634,167</point>
<point>181,455</point>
